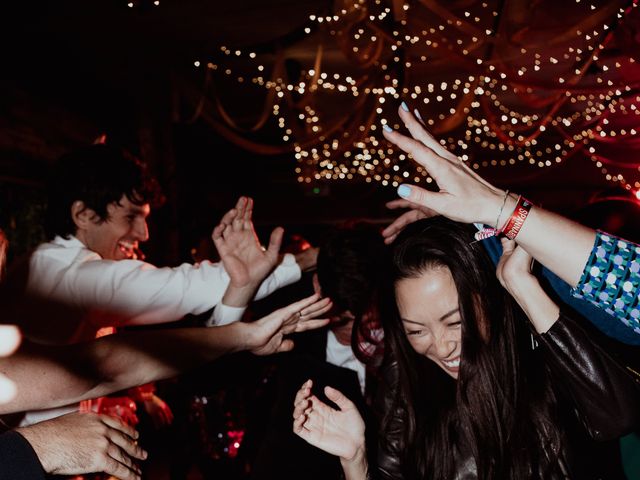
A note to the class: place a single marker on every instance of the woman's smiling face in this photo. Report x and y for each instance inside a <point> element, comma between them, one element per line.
<point>428,306</point>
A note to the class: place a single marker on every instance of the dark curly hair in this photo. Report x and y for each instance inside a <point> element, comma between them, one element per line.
<point>97,175</point>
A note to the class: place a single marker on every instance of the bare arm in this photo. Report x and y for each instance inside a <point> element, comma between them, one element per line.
<point>48,376</point>
<point>562,245</point>
<point>514,273</point>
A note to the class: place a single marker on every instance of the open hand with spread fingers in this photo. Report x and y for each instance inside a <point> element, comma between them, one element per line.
<point>267,335</point>
<point>244,259</point>
<point>463,195</point>
<point>338,432</point>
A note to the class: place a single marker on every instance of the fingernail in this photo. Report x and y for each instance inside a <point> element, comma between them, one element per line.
<point>404,107</point>
<point>404,191</point>
<point>387,128</point>
<point>417,114</point>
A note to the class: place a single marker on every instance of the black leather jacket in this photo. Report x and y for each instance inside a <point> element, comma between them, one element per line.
<point>602,399</point>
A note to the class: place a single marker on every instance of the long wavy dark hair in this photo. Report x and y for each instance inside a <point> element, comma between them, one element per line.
<point>501,409</point>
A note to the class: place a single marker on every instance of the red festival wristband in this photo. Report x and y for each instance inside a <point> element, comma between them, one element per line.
<point>519,215</point>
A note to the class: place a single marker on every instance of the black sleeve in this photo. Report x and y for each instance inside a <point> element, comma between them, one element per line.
<point>392,426</point>
<point>605,394</point>
<point>18,460</point>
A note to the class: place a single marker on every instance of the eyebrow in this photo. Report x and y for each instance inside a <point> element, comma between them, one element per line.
<point>442,318</point>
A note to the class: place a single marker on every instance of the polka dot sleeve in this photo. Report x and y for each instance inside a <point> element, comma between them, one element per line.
<point>611,279</point>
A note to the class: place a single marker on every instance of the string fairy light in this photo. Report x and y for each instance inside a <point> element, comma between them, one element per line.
<point>489,106</point>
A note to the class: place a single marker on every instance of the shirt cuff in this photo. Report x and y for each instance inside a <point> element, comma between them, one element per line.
<point>224,315</point>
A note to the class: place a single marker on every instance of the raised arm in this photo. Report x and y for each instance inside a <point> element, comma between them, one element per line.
<point>514,273</point>
<point>598,387</point>
<point>49,376</point>
<point>244,259</point>
<point>562,245</point>
<point>338,432</point>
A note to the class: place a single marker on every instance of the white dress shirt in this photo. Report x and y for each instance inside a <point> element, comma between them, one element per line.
<point>342,356</point>
<point>137,292</point>
<point>67,271</point>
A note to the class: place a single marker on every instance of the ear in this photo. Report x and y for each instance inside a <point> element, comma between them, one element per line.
<point>316,284</point>
<point>82,216</point>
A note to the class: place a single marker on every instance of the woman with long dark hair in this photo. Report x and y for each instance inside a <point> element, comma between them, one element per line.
<point>476,390</point>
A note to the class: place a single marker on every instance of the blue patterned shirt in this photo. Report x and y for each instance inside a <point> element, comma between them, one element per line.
<point>611,279</point>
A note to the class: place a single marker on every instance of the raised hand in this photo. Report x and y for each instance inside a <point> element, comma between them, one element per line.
<point>463,195</point>
<point>338,432</point>
<point>246,262</point>
<point>84,443</point>
<point>267,335</point>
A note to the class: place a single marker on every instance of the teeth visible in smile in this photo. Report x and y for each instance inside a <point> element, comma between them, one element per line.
<point>127,248</point>
<point>452,363</point>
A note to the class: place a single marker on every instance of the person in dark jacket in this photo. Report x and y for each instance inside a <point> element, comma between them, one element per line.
<point>476,391</point>
<point>348,272</point>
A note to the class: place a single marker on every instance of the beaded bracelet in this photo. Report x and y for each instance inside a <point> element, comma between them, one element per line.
<point>487,232</point>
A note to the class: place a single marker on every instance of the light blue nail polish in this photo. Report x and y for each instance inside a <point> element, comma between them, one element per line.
<point>404,107</point>
<point>404,191</point>
<point>387,128</point>
<point>417,114</point>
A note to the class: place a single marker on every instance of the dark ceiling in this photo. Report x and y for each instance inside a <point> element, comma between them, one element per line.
<point>72,70</point>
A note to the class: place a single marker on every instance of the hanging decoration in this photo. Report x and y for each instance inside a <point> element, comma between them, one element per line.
<point>500,83</point>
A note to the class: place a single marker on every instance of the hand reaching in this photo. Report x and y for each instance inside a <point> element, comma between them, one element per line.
<point>417,212</point>
<point>463,195</point>
<point>266,336</point>
<point>338,432</point>
<point>246,262</point>
<point>84,443</point>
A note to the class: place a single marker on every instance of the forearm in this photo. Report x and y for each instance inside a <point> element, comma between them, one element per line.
<point>161,354</point>
<point>536,304</point>
<point>52,376</point>
<point>356,468</point>
<point>558,243</point>
<point>236,296</point>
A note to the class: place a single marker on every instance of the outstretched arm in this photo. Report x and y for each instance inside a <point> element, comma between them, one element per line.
<point>338,432</point>
<point>48,376</point>
<point>562,245</point>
